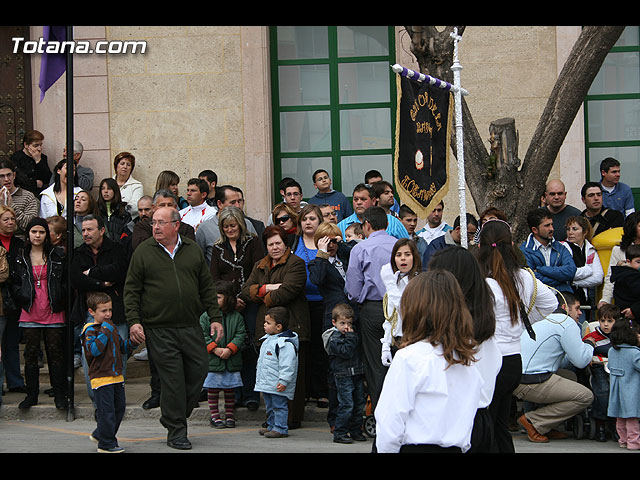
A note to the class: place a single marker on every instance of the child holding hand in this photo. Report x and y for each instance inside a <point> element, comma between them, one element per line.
<point>224,362</point>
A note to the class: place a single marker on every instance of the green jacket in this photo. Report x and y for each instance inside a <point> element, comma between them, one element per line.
<point>162,292</point>
<point>235,337</point>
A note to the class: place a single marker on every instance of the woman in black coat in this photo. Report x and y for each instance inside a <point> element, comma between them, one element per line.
<point>39,288</point>
<point>113,210</point>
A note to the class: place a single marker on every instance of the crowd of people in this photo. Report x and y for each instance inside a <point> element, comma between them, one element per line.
<point>335,301</point>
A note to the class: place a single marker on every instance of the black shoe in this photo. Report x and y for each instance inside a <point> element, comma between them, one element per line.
<point>342,439</point>
<point>18,390</point>
<point>358,437</point>
<point>28,402</point>
<point>251,405</point>
<point>180,443</point>
<point>151,402</point>
<point>601,434</point>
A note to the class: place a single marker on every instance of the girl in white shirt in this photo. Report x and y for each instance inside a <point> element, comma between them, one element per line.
<point>512,286</point>
<point>432,388</point>
<point>405,264</point>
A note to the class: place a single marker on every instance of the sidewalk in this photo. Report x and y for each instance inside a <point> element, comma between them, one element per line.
<point>137,391</point>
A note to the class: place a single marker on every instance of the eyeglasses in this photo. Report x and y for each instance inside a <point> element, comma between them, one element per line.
<point>161,223</point>
<point>282,219</point>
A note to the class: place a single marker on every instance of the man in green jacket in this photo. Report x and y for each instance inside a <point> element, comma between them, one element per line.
<point>168,287</point>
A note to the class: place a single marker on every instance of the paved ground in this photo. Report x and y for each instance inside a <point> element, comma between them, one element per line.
<point>43,429</point>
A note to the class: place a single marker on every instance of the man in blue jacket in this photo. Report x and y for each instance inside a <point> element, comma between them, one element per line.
<point>551,262</point>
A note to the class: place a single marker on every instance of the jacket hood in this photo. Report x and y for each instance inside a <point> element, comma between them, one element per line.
<point>325,195</point>
<point>287,335</point>
<point>326,336</point>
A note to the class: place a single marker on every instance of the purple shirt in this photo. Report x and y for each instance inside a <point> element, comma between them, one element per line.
<point>363,280</point>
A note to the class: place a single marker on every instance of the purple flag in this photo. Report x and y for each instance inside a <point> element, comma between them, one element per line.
<point>52,65</point>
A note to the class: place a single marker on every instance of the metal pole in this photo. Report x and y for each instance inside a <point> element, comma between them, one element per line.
<point>455,68</point>
<point>70,201</point>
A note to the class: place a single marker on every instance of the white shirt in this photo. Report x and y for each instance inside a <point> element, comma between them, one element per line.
<point>194,216</point>
<point>424,402</point>
<point>508,335</point>
<point>429,233</point>
<point>395,285</point>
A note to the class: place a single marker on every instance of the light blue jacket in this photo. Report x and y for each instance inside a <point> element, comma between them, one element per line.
<point>624,381</point>
<point>558,343</point>
<point>278,363</point>
<point>395,228</point>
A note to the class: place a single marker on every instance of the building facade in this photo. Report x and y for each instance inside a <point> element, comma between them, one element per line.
<point>258,103</point>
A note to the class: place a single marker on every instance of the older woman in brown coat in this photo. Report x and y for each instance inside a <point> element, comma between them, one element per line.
<point>279,280</point>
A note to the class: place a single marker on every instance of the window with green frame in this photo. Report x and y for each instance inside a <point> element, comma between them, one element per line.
<point>612,112</point>
<point>333,103</point>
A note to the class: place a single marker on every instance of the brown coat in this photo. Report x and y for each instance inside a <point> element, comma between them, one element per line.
<point>291,272</point>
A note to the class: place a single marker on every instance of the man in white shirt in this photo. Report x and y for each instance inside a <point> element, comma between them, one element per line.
<point>198,210</point>
<point>434,227</point>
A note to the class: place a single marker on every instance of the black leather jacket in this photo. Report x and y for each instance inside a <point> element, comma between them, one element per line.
<point>23,283</point>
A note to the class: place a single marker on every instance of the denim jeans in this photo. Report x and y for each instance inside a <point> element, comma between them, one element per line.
<point>600,387</point>
<point>110,407</point>
<point>277,412</point>
<point>351,404</point>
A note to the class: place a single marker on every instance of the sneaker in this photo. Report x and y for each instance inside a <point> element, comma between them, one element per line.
<point>263,430</point>
<point>274,434</point>
<point>230,423</point>
<point>216,423</point>
<point>77,361</point>
<point>141,355</point>
<point>358,437</point>
<point>115,449</point>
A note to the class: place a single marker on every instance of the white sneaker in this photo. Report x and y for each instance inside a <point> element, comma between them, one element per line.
<point>142,355</point>
<point>77,361</point>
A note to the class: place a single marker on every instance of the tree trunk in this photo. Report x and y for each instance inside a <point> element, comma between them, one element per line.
<point>501,183</point>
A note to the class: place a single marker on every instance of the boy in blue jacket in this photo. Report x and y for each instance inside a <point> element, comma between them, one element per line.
<point>277,370</point>
<point>103,349</point>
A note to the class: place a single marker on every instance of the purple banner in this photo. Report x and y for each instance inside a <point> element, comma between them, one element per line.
<point>52,65</point>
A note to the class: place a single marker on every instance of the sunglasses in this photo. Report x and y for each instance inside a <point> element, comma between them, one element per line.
<point>282,219</point>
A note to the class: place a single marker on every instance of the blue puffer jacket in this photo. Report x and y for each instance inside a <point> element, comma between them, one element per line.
<point>278,363</point>
<point>559,274</point>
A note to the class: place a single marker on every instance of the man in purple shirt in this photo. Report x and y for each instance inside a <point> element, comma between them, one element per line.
<point>364,286</point>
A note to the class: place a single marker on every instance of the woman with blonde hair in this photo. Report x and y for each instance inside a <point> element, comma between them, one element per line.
<point>169,180</point>
<point>433,375</point>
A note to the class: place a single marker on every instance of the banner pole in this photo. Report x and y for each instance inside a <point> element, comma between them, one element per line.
<point>455,68</point>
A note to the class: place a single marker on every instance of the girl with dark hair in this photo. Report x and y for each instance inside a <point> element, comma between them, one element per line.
<point>114,212</point>
<point>39,288</point>
<point>434,373</point>
<point>624,361</point>
<point>479,299</point>
<point>630,236</point>
<point>225,360</point>
<point>404,265</point>
<point>516,293</point>
<point>53,199</point>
